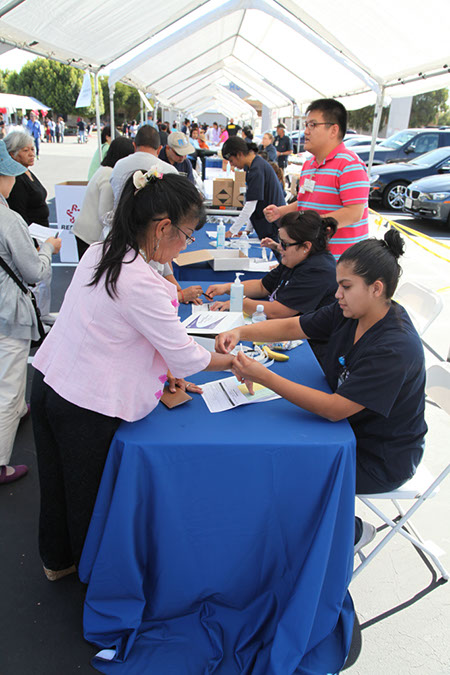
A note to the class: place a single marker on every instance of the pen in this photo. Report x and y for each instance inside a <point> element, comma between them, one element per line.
<point>56,235</point>
<point>207,296</point>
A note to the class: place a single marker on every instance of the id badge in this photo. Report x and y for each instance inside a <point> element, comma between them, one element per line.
<point>302,190</point>
<point>309,185</point>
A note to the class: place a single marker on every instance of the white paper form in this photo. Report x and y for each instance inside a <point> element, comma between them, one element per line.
<point>226,394</point>
<point>41,233</point>
<point>212,323</point>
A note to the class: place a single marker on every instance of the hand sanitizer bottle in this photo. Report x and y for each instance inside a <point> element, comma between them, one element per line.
<point>237,294</point>
<point>221,234</point>
<point>259,314</point>
<point>244,243</point>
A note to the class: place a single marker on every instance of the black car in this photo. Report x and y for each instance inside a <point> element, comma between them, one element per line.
<point>388,182</point>
<point>406,144</point>
<point>430,197</point>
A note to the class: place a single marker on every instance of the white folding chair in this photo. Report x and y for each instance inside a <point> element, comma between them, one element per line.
<point>421,487</point>
<point>423,306</point>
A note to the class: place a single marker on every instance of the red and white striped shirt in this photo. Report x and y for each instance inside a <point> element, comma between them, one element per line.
<point>340,180</point>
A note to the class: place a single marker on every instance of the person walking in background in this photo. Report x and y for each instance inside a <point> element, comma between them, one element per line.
<point>34,129</point>
<point>81,130</point>
<point>283,146</point>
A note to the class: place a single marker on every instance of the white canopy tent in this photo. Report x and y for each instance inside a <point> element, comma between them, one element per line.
<point>13,102</point>
<point>283,50</point>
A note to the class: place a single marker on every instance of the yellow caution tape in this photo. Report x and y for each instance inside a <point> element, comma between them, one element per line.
<point>404,230</point>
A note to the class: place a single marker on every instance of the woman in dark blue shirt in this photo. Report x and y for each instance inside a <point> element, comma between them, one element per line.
<point>304,280</point>
<point>374,365</point>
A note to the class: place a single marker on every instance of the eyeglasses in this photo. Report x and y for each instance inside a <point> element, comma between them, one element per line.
<point>313,125</point>
<point>189,239</point>
<point>226,156</point>
<point>284,245</point>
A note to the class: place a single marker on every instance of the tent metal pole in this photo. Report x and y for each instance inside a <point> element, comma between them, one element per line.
<point>376,126</point>
<point>142,111</point>
<point>97,114</point>
<point>111,111</point>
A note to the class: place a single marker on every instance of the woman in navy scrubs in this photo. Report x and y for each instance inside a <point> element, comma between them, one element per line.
<point>262,186</point>
<point>304,280</point>
<point>374,365</point>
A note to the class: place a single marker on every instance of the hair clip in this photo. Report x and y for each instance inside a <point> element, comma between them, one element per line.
<point>140,179</point>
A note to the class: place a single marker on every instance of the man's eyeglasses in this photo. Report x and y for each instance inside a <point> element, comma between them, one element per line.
<point>226,156</point>
<point>313,125</point>
<point>284,245</point>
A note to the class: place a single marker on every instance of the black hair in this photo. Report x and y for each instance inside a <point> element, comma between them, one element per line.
<point>163,127</point>
<point>303,226</point>
<point>233,145</point>
<point>106,131</point>
<point>332,111</point>
<point>172,196</point>
<point>248,133</point>
<point>119,148</point>
<point>374,259</point>
<point>148,137</point>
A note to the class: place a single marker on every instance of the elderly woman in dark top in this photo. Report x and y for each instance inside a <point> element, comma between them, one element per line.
<point>18,322</point>
<point>28,196</point>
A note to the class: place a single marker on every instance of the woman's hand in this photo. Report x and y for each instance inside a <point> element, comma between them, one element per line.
<point>267,242</point>
<point>248,370</point>
<point>55,242</point>
<point>218,289</point>
<point>272,213</point>
<point>219,306</point>
<point>225,342</point>
<point>191,294</point>
<point>174,382</point>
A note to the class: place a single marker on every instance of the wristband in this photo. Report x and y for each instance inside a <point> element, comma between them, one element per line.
<point>182,297</point>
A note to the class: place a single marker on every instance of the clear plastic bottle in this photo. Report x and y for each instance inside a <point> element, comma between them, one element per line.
<point>221,234</point>
<point>244,243</point>
<point>237,294</point>
<point>259,314</point>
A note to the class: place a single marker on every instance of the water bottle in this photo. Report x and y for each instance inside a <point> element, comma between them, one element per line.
<point>237,294</point>
<point>259,314</point>
<point>221,234</point>
<point>244,243</point>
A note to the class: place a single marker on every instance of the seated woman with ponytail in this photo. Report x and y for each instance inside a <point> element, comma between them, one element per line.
<point>262,187</point>
<point>108,354</point>
<point>374,366</point>
<point>304,280</point>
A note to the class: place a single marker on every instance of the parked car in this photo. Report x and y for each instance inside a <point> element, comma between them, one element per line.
<point>388,182</point>
<point>359,139</point>
<point>406,144</point>
<point>296,145</point>
<point>430,197</point>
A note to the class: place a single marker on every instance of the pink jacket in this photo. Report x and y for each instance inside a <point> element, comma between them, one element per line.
<point>112,355</point>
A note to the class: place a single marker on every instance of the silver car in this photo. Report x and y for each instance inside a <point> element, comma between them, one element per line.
<point>429,198</point>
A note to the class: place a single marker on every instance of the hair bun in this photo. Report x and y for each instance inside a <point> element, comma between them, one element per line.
<point>394,243</point>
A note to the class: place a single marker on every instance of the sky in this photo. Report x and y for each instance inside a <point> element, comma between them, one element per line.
<point>15,59</point>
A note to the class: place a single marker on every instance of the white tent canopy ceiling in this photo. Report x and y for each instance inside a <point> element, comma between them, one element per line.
<point>279,51</point>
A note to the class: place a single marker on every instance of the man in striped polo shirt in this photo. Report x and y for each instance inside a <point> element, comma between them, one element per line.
<point>334,181</point>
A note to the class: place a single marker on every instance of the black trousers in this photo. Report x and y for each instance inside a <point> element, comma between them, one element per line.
<point>368,485</point>
<point>72,444</point>
<point>81,246</point>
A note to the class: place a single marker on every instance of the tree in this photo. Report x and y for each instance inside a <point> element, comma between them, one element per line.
<point>426,108</point>
<point>126,99</point>
<point>362,120</point>
<point>4,74</point>
<point>54,84</point>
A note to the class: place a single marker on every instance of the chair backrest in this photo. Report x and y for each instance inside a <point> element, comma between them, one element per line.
<point>438,385</point>
<point>422,304</point>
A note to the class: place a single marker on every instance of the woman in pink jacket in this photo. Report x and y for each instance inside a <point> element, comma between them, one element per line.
<point>107,357</point>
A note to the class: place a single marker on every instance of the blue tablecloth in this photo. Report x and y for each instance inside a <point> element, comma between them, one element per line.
<point>223,543</point>
<point>204,271</point>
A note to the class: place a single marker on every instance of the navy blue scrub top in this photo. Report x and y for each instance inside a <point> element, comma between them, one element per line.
<point>183,168</point>
<point>263,187</point>
<point>385,372</point>
<point>271,152</point>
<point>308,286</point>
<point>282,145</point>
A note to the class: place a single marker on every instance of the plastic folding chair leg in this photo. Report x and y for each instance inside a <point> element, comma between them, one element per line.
<point>397,527</point>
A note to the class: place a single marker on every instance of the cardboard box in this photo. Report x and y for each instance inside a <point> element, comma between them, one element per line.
<point>69,197</point>
<point>225,259</point>
<point>239,189</point>
<point>221,259</point>
<point>223,192</point>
